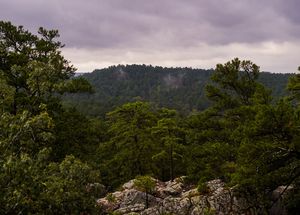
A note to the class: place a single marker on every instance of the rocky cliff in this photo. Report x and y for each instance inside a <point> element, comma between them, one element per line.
<point>176,197</point>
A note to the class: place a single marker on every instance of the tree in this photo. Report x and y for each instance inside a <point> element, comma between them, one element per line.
<point>168,132</point>
<point>269,153</point>
<point>294,86</point>
<point>235,83</point>
<point>34,67</point>
<point>276,142</point>
<point>216,133</point>
<point>32,74</point>
<point>71,187</point>
<point>32,185</point>
<point>145,184</point>
<point>130,142</point>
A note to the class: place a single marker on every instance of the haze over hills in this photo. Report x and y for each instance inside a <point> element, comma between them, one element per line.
<point>180,88</point>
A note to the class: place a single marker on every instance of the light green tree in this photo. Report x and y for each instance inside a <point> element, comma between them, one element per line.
<point>145,184</point>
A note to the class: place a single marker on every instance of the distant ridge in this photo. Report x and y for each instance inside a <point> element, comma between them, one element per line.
<point>179,88</point>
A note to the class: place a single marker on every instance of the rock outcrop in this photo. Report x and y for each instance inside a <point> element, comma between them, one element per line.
<point>175,197</point>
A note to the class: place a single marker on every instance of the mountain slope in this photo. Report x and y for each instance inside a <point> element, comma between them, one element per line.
<point>179,88</point>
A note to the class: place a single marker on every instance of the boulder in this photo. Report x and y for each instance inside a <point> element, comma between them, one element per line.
<point>175,197</point>
<point>173,188</point>
<point>128,185</point>
<point>130,209</point>
<point>190,193</point>
<point>277,197</point>
<point>132,197</point>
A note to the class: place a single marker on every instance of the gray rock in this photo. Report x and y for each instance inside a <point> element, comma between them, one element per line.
<point>177,198</point>
<point>128,185</point>
<point>132,197</point>
<point>277,196</point>
<point>130,209</point>
<point>190,193</point>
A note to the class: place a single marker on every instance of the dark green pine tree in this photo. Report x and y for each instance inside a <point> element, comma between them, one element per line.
<point>269,155</point>
<point>171,149</point>
<point>216,133</point>
<point>130,147</point>
<point>32,73</point>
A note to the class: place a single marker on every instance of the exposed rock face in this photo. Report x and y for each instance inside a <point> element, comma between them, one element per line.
<point>176,198</point>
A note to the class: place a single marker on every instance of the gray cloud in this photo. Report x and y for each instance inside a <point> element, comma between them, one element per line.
<point>162,25</point>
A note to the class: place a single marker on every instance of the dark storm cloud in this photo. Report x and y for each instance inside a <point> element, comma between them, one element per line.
<point>123,23</point>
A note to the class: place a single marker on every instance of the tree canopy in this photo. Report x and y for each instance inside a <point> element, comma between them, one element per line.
<point>32,75</point>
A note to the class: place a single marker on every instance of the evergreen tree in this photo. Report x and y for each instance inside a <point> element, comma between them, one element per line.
<point>170,135</point>
<point>32,73</point>
<point>216,134</point>
<point>129,150</point>
<point>145,184</point>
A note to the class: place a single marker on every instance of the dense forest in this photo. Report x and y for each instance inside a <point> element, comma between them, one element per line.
<point>182,89</point>
<point>56,160</point>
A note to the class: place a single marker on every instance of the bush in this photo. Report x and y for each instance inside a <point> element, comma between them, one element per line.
<point>203,188</point>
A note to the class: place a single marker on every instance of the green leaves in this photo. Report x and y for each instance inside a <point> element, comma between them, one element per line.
<point>6,95</point>
<point>32,71</point>
<point>235,83</point>
<point>143,140</point>
<point>145,184</point>
<point>170,149</point>
<point>216,134</point>
<point>32,65</point>
<point>25,133</point>
<point>66,187</point>
<point>76,85</point>
<point>130,140</point>
<point>32,185</point>
<point>294,86</point>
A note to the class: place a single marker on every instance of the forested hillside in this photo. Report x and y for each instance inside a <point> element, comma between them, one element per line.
<point>180,88</point>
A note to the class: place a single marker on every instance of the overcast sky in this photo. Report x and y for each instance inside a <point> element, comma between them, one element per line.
<point>192,33</point>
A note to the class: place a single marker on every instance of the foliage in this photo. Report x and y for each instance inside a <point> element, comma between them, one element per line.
<point>182,89</point>
<point>269,153</point>
<point>142,140</point>
<point>67,187</point>
<point>215,134</point>
<point>32,185</point>
<point>170,151</point>
<point>129,147</point>
<point>294,86</point>
<point>32,73</point>
<point>145,184</point>
<point>51,154</point>
<point>202,188</point>
<point>244,138</point>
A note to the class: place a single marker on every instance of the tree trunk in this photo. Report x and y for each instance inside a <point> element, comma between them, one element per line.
<point>147,203</point>
<point>171,163</point>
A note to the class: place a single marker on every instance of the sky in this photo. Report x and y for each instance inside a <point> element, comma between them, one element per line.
<point>172,33</point>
